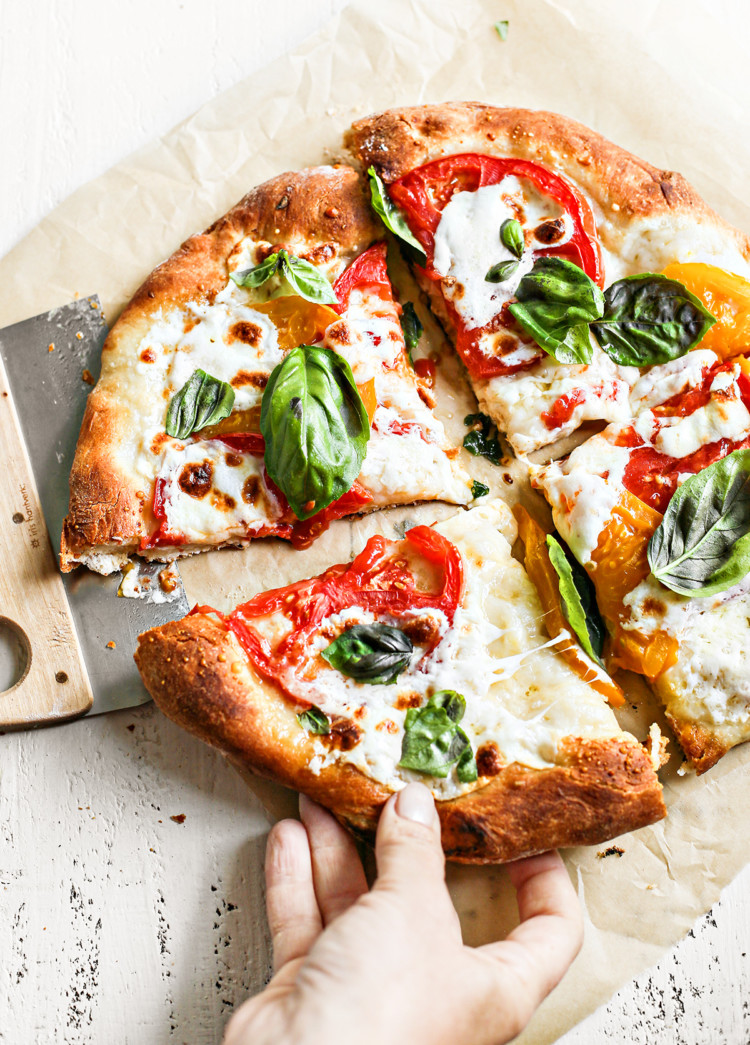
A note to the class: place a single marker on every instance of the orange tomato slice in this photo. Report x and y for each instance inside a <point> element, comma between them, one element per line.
<point>298,322</point>
<point>367,392</point>
<point>726,296</point>
<point>618,564</point>
<point>544,578</point>
<point>237,422</point>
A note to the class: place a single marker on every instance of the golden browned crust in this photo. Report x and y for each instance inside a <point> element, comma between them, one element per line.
<point>624,186</point>
<point>702,748</point>
<point>320,208</point>
<point>199,676</point>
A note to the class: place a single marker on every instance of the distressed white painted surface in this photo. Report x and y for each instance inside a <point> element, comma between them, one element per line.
<point>118,925</point>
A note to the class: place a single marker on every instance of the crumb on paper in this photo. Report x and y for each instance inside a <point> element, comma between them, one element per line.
<point>87,376</point>
<point>613,850</point>
<point>94,304</point>
<point>131,727</point>
<point>501,28</point>
<point>111,644</point>
<point>79,335</point>
<point>51,346</point>
<point>656,745</point>
<point>179,819</point>
<point>169,579</point>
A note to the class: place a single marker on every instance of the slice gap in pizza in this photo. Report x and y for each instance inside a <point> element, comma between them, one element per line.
<point>422,659</point>
<point>285,301</point>
<point>656,511</point>
<point>516,221</point>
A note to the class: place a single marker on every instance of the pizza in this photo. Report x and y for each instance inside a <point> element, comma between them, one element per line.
<point>490,193</point>
<point>261,384</point>
<point>422,659</point>
<point>172,458</point>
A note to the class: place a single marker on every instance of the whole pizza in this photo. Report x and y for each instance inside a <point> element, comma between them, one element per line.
<point>270,379</point>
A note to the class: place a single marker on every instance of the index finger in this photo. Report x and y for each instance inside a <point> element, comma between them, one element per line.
<point>535,956</point>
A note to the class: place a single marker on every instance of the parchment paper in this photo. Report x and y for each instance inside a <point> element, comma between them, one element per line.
<point>665,79</point>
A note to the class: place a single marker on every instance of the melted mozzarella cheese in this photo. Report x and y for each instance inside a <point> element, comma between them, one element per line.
<point>520,696</point>
<point>214,493</point>
<point>583,490</point>
<point>518,404</point>
<point>679,375</point>
<point>399,469</point>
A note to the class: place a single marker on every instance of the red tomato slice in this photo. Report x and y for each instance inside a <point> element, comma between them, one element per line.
<point>423,193</point>
<point>378,580</point>
<point>368,270</point>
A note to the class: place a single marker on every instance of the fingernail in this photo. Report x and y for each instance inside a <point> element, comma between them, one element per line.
<point>416,803</point>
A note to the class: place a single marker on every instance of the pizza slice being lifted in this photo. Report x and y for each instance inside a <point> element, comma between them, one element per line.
<point>422,659</point>
<point>525,229</point>
<point>257,384</point>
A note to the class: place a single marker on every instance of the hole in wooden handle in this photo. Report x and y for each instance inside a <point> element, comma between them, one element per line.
<point>15,655</point>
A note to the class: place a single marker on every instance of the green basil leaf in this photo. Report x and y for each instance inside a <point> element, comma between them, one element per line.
<point>411,327</point>
<point>556,301</point>
<point>702,545</point>
<point>259,274</point>
<point>433,741</point>
<point>315,428</point>
<point>578,601</point>
<point>483,441</point>
<point>466,767</point>
<point>479,489</point>
<point>371,653</point>
<point>314,721</point>
<point>305,280</point>
<point>390,215</point>
<point>501,272</point>
<point>202,400</point>
<point>511,236</point>
<point>650,319</point>
<point>501,28</point>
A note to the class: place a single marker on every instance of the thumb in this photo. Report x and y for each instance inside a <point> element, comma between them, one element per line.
<point>407,846</point>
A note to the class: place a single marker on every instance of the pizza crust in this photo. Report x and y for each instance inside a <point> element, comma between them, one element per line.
<point>320,208</point>
<point>200,677</point>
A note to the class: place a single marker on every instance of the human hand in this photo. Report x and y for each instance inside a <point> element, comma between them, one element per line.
<point>386,965</point>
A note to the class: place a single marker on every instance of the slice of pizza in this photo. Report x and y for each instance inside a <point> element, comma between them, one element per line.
<point>422,659</point>
<point>527,231</point>
<point>257,384</point>
<point>658,512</point>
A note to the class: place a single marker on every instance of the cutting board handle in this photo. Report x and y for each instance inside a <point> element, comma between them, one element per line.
<point>54,685</point>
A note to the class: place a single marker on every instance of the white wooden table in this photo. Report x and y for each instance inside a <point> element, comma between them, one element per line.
<point>117,923</point>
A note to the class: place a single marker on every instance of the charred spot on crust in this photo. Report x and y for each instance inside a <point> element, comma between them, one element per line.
<point>195,479</point>
<point>147,355</point>
<point>489,762</point>
<point>246,332</point>
<point>408,700</point>
<point>344,734</point>
<point>550,231</point>
<point>246,377</point>
<point>251,489</point>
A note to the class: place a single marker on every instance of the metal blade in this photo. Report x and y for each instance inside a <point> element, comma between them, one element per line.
<point>49,392</point>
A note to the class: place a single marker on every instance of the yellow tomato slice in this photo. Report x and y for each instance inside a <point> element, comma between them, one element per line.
<point>619,563</point>
<point>238,421</point>
<point>367,392</point>
<point>544,578</point>
<point>298,322</point>
<point>726,296</point>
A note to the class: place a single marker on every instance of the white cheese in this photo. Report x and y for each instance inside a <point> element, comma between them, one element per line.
<point>583,490</point>
<point>660,383</point>
<point>404,468</point>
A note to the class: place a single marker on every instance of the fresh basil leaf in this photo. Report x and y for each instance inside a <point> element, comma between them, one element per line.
<point>702,545</point>
<point>578,601</point>
<point>483,441</point>
<point>314,721</point>
<point>556,302</point>
<point>259,274</point>
<point>454,703</point>
<point>305,280</point>
<point>433,742</point>
<point>501,28</point>
<point>501,272</point>
<point>315,428</point>
<point>479,489</point>
<point>202,400</point>
<point>511,236</point>
<point>371,653</point>
<point>390,215</point>
<point>650,319</point>
<point>466,767</point>
<point>411,327</point>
